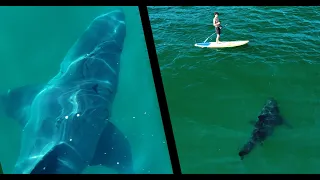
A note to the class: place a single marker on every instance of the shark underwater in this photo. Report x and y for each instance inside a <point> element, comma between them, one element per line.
<point>66,121</point>
<point>268,119</point>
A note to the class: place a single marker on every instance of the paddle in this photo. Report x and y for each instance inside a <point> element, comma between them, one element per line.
<point>208,37</point>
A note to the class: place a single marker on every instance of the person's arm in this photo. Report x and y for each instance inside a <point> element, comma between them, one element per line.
<point>214,22</point>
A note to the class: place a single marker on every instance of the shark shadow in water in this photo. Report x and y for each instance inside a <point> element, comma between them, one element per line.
<point>268,119</point>
<point>65,121</point>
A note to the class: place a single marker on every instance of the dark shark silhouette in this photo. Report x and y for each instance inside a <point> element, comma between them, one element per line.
<point>268,119</point>
<point>65,122</point>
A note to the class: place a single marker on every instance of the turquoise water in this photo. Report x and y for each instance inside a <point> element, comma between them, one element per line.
<point>212,94</point>
<point>33,42</point>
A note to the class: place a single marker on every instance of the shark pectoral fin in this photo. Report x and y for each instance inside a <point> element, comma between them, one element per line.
<point>113,151</point>
<point>16,101</point>
<point>48,164</point>
<point>61,159</point>
<point>252,122</point>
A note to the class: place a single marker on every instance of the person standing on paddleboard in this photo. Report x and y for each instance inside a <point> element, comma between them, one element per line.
<point>216,24</point>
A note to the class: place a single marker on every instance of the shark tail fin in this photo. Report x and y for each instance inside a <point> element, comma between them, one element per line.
<point>114,151</point>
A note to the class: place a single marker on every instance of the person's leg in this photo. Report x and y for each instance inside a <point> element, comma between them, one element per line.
<point>218,34</point>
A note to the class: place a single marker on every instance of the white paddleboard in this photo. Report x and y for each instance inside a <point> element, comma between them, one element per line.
<point>222,44</point>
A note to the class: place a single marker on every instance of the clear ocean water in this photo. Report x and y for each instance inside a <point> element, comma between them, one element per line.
<point>34,41</point>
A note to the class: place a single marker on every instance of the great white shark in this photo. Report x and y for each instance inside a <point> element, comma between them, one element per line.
<point>66,121</point>
<point>268,119</point>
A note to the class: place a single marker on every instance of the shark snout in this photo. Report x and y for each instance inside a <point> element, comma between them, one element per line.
<point>117,15</point>
<point>111,26</point>
<point>104,34</point>
<point>272,101</point>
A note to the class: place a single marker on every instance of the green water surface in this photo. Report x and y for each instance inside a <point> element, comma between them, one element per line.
<point>213,94</point>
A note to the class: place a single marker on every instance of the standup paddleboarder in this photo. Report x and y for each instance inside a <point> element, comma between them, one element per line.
<point>216,24</point>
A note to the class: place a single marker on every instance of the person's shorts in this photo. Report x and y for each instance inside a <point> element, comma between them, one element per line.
<point>218,30</point>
